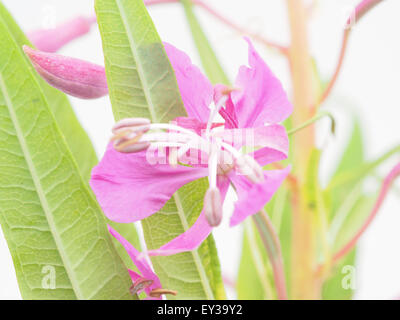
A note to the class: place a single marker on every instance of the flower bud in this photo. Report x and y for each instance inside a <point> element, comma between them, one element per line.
<point>249,167</point>
<point>213,206</point>
<point>75,77</point>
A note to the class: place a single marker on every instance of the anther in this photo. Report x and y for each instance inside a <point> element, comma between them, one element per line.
<point>250,168</point>
<point>139,285</point>
<point>131,145</point>
<point>131,123</point>
<point>156,293</point>
<point>213,206</point>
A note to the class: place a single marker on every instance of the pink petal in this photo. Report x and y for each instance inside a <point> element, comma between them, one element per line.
<point>76,77</point>
<point>142,265</point>
<point>196,125</point>
<point>51,40</point>
<point>273,136</point>
<point>195,235</point>
<point>262,98</point>
<point>195,89</point>
<point>253,197</point>
<point>228,113</point>
<point>132,186</point>
<point>134,276</point>
<point>267,155</point>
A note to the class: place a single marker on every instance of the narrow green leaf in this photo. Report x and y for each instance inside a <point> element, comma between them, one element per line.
<point>52,223</point>
<point>354,220</point>
<point>337,288</point>
<point>341,202</point>
<point>142,84</point>
<point>76,138</point>
<point>253,280</point>
<point>140,77</point>
<point>353,158</point>
<point>208,57</point>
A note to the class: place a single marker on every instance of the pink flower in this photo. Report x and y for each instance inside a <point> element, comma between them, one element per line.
<point>148,281</point>
<point>134,181</point>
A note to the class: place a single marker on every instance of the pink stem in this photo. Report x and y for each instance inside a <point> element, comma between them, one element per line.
<point>394,173</point>
<point>225,21</point>
<point>362,8</point>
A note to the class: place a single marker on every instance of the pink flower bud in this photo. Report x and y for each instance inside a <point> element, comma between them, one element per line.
<point>213,206</point>
<point>75,77</point>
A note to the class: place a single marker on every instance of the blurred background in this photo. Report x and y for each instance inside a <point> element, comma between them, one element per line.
<point>369,84</point>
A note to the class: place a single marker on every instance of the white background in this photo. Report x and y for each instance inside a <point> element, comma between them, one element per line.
<point>369,83</point>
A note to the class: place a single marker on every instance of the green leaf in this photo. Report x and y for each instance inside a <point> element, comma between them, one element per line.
<point>142,84</point>
<point>208,57</point>
<point>333,288</point>
<point>76,138</point>
<point>354,220</point>
<point>253,281</point>
<point>140,77</point>
<point>342,202</point>
<point>196,274</point>
<point>50,219</point>
<point>353,157</point>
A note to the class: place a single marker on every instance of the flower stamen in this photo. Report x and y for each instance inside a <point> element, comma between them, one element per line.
<point>139,285</point>
<point>156,293</point>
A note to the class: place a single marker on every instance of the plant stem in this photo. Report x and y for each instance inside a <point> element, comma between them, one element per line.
<point>273,248</point>
<point>303,282</point>
<point>315,119</point>
<point>361,10</point>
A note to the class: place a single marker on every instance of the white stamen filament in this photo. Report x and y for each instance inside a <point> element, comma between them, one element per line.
<point>136,138</point>
<point>213,164</point>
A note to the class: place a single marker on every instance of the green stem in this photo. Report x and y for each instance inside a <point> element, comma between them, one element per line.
<point>315,119</point>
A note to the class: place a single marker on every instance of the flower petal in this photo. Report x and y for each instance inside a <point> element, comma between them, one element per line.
<point>195,89</point>
<point>227,112</point>
<point>262,98</point>
<point>133,186</point>
<point>51,40</point>
<point>142,265</point>
<point>76,77</point>
<point>273,136</point>
<point>253,197</point>
<point>195,235</point>
<point>272,141</point>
